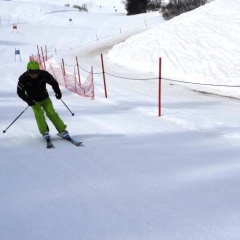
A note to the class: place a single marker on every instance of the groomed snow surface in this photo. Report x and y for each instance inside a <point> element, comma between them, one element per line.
<point>138,176</point>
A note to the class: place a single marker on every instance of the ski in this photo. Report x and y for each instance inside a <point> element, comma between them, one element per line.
<point>75,142</point>
<point>49,143</point>
<point>71,140</point>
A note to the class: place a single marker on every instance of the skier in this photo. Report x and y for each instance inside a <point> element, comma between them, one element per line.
<point>32,89</point>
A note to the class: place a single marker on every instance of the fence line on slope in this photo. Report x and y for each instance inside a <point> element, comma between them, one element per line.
<point>71,81</point>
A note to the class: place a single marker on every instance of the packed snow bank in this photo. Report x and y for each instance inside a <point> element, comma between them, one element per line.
<point>208,56</point>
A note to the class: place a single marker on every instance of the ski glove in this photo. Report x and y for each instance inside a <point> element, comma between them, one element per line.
<point>58,95</point>
<point>30,102</point>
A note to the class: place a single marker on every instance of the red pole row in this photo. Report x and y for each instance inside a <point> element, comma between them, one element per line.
<point>104,79</point>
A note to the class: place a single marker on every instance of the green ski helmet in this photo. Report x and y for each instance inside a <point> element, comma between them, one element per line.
<point>33,65</point>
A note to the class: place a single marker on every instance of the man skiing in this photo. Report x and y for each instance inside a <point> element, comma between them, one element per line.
<point>32,89</point>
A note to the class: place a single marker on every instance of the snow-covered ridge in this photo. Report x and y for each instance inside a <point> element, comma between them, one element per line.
<point>207,56</point>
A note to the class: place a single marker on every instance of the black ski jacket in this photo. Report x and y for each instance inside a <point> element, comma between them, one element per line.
<point>35,89</point>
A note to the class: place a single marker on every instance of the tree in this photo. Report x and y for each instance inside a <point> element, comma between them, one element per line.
<point>136,6</point>
<point>177,7</point>
<point>154,5</point>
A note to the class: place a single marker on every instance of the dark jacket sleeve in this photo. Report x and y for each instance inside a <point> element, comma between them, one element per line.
<point>21,91</point>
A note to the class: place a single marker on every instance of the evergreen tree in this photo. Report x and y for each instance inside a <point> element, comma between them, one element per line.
<point>177,7</point>
<point>136,6</point>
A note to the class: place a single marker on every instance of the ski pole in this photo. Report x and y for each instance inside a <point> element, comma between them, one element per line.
<point>15,119</point>
<point>67,107</point>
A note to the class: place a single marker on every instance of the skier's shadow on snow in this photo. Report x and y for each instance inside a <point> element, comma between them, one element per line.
<point>90,136</point>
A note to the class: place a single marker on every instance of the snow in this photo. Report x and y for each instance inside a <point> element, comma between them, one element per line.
<point>139,176</point>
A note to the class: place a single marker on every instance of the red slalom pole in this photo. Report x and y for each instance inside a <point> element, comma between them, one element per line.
<point>160,88</point>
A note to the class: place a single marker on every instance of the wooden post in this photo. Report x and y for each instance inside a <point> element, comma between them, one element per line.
<point>104,81</point>
<point>92,83</point>
<point>39,58</point>
<point>160,87</point>
<point>44,65</point>
<point>64,73</point>
<point>46,57</point>
<point>79,77</point>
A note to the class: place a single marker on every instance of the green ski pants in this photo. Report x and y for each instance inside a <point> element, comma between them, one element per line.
<point>46,106</point>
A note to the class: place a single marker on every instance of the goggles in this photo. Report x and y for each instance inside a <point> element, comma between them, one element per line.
<point>33,71</point>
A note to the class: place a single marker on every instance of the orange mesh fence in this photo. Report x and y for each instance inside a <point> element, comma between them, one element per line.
<point>68,80</point>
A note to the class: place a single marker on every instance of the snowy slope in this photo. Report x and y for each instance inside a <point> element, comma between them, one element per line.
<point>205,56</point>
<point>139,176</point>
